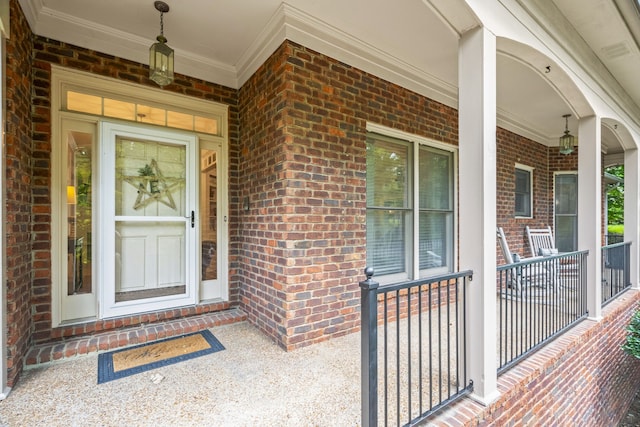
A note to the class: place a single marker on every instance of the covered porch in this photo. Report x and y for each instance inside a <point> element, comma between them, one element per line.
<point>253,381</point>
<point>463,120</point>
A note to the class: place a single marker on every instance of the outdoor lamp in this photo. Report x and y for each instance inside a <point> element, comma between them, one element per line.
<point>161,55</point>
<point>566,140</point>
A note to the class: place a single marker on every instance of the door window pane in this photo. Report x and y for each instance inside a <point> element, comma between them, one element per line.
<point>566,194</point>
<point>566,212</point>
<point>566,233</point>
<point>208,214</point>
<point>150,178</point>
<point>79,212</point>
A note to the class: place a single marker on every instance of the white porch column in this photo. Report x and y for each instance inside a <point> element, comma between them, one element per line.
<point>590,208</point>
<point>477,213</point>
<point>631,208</point>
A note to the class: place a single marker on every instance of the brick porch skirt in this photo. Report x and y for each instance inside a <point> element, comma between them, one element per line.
<point>77,346</point>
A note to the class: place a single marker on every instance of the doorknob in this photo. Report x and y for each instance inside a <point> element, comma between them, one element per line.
<point>193,219</point>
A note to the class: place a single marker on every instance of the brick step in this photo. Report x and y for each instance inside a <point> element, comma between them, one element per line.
<point>111,340</point>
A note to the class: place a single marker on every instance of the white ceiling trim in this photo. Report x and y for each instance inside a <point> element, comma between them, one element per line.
<point>269,39</point>
<point>516,125</point>
<point>287,23</point>
<point>30,10</point>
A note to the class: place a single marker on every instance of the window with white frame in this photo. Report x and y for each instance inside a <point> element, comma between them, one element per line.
<point>410,207</point>
<point>524,192</point>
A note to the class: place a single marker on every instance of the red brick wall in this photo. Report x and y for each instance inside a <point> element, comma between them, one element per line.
<point>302,168</point>
<point>260,268</point>
<point>512,149</point>
<point>583,378</point>
<point>18,195</point>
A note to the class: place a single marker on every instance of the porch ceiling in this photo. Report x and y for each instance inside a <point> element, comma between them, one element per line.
<point>407,43</point>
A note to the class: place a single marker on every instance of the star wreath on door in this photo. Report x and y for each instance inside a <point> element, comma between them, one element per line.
<point>153,186</point>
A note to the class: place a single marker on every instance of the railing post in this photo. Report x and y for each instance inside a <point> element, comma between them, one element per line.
<point>369,349</point>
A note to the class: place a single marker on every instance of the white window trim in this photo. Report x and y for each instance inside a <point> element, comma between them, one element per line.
<point>417,140</point>
<point>530,170</point>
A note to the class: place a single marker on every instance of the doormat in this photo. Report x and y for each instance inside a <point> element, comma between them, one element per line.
<point>133,360</point>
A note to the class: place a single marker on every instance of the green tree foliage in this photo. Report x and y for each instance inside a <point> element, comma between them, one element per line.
<point>615,198</point>
<point>632,342</point>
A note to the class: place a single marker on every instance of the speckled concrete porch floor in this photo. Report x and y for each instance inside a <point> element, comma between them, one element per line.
<point>251,383</point>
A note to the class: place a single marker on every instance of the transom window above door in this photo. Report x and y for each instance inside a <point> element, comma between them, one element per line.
<point>139,112</point>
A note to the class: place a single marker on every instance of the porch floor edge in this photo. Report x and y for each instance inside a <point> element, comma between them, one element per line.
<point>73,347</point>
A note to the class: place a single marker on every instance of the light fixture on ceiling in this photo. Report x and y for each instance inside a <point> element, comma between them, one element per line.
<point>161,55</point>
<point>566,140</point>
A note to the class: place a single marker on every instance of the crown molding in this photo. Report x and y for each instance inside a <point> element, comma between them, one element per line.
<point>31,9</point>
<point>288,23</point>
<point>514,124</point>
<point>299,27</point>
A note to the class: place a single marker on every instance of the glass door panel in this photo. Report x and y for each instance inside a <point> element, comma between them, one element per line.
<point>79,212</point>
<point>76,292</point>
<point>211,223</point>
<point>566,212</point>
<point>150,184</point>
<point>208,214</point>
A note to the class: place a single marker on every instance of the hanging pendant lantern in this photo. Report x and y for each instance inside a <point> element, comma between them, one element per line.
<point>567,140</point>
<point>161,55</point>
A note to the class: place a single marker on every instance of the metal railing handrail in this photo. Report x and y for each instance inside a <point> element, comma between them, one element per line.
<point>616,271</point>
<point>405,302</point>
<point>538,299</point>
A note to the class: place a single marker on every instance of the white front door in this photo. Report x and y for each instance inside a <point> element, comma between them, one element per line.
<point>149,258</point>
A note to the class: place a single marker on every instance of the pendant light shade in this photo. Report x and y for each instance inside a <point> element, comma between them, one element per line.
<point>567,140</point>
<point>161,55</point>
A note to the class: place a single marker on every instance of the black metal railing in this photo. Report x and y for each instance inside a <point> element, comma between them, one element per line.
<point>612,239</point>
<point>413,348</point>
<point>616,273</point>
<point>538,299</point>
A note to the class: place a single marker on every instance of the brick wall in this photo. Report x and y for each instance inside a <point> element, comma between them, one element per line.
<point>302,169</point>
<point>512,149</point>
<point>582,378</point>
<point>18,192</point>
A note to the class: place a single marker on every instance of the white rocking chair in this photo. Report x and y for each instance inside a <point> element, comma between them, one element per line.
<point>541,241</point>
<point>526,280</point>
